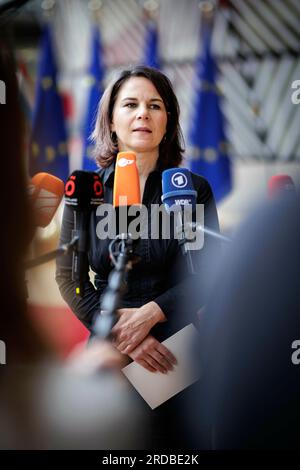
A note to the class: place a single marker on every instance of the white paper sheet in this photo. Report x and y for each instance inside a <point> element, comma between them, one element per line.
<point>155,387</point>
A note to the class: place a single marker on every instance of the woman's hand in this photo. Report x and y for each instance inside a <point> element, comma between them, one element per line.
<point>97,355</point>
<point>134,325</point>
<point>153,356</point>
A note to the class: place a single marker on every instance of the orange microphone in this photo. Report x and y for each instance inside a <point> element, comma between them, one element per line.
<point>45,194</point>
<point>126,194</point>
<point>127,182</point>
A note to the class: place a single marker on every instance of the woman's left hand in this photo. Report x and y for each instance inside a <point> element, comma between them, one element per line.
<point>134,325</point>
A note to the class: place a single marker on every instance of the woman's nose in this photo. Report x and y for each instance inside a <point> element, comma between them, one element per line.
<point>142,112</point>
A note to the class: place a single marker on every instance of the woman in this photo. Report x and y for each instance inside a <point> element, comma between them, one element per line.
<point>138,112</point>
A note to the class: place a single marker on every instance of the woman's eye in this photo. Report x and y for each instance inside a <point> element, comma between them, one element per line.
<point>134,105</point>
<point>130,105</point>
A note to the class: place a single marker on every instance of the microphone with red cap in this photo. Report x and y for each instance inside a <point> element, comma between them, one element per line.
<point>83,193</point>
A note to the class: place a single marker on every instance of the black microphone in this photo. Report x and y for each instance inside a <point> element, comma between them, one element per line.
<point>83,192</point>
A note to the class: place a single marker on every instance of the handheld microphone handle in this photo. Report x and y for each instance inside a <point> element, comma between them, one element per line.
<point>182,242</point>
<point>113,293</point>
<point>80,259</point>
<point>81,222</point>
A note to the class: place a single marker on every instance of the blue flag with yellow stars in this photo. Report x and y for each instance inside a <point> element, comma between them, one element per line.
<point>207,149</point>
<point>48,143</point>
<point>95,84</point>
<point>151,52</point>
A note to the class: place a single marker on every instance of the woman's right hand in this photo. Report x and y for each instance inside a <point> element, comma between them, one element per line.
<point>153,356</point>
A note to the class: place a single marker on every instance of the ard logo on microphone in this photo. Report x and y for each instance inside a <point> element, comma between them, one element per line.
<point>179,180</point>
<point>2,92</point>
<point>2,353</point>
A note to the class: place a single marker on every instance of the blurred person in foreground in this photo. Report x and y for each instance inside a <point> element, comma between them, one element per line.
<point>248,396</point>
<point>45,404</point>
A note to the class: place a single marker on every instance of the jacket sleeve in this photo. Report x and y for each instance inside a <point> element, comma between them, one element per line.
<point>188,294</point>
<point>86,307</point>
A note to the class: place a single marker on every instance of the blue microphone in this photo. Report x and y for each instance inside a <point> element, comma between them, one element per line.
<point>178,195</point>
<point>178,189</point>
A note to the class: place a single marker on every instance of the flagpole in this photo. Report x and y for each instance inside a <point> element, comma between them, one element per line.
<point>95,7</point>
<point>151,53</point>
<point>48,146</point>
<point>94,82</point>
<point>207,150</point>
<point>207,9</point>
<point>48,8</point>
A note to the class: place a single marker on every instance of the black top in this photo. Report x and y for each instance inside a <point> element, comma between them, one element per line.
<point>161,274</point>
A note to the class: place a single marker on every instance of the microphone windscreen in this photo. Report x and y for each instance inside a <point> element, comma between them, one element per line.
<point>126,182</point>
<point>178,189</point>
<point>45,194</point>
<point>83,190</point>
<point>281,185</point>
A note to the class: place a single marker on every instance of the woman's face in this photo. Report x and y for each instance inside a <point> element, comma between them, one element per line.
<point>139,116</point>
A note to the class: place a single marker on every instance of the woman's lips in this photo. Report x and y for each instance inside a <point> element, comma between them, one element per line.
<point>142,129</point>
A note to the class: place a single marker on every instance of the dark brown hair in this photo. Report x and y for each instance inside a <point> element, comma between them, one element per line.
<point>106,147</point>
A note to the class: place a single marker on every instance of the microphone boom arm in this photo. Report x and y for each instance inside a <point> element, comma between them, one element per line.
<point>116,285</point>
<point>60,251</point>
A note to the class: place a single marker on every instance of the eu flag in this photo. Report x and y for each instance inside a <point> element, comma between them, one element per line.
<point>207,149</point>
<point>95,84</point>
<point>48,143</point>
<point>151,52</point>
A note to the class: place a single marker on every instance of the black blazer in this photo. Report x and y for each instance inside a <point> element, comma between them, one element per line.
<point>161,274</point>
